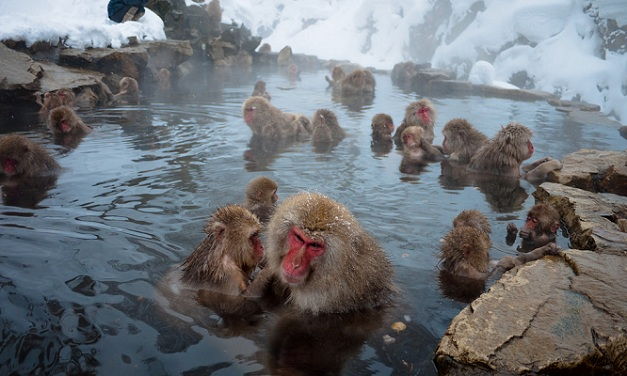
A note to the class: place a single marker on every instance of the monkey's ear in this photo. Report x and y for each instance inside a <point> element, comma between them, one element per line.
<point>215,228</point>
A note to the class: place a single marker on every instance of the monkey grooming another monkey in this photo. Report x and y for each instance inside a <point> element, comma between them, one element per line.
<point>226,258</point>
<point>317,248</point>
<point>503,154</point>
<point>417,152</point>
<point>260,90</point>
<point>21,157</point>
<point>326,129</point>
<point>64,121</point>
<point>129,91</point>
<point>461,140</point>
<point>540,228</point>
<point>261,197</point>
<point>465,249</point>
<point>267,121</point>
<point>422,114</point>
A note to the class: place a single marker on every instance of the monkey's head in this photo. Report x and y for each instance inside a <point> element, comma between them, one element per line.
<point>455,132</point>
<point>235,231</point>
<point>263,190</point>
<point>60,120</point>
<point>16,154</point>
<point>325,118</point>
<point>311,232</point>
<point>338,73</point>
<point>164,74</point>
<point>465,246</point>
<point>412,137</point>
<point>473,218</point>
<point>65,96</point>
<point>253,111</point>
<point>540,226</point>
<point>515,140</point>
<point>260,86</point>
<point>420,113</point>
<point>382,126</point>
<point>128,85</point>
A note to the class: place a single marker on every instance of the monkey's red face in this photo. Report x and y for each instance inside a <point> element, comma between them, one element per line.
<point>9,166</point>
<point>529,227</point>
<point>249,113</point>
<point>64,126</point>
<point>530,149</point>
<point>296,265</point>
<point>424,114</point>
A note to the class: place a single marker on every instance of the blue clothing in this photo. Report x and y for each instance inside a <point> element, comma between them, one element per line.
<point>118,8</point>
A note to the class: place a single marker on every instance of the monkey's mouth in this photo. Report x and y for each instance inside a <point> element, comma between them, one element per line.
<point>9,166</point>
<point>65,127</point>
<point>294,279</point>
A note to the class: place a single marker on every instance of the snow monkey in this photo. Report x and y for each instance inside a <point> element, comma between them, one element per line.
<point>422,114</point>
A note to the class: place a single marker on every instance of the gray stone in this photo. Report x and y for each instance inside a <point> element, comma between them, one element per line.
<point>573,105</point>
<point>126,61</point>
<point>19,74</point>
<point>557,315</point>
<point>591,218</point>
<point>515,94</point>
<point>591,118</point>
<point>449,87</point>
<point>594,170</point>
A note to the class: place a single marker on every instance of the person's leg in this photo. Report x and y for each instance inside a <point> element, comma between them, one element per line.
<point>130,14</point>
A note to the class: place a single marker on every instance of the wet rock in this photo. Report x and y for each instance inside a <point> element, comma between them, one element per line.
<point>557,315</point>
<point>594,170</point>
<point>623,131</point>
<point>85,285</point>
<point>568,106</point>
<point>19,75</point>
<point>125,61</point>
<point>588,118</point>
<point>168,53</point>
<point>591,218</point>
<point>447,87</point>
<point>430,77</point>
<point>56,77</point>
<point>515,94</point>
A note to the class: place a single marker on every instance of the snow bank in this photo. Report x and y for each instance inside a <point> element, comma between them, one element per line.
<point>554,41</point>
<point>82,23</point>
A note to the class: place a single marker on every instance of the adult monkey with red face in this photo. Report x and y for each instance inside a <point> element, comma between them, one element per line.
<point>317,248</point>
<point>421,114</point>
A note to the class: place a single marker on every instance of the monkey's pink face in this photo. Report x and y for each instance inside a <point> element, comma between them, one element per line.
<point>424,114</point>
<point>249,114</point>
<point>296,264</point>
<point>64,126</point>
<point>9,166</point>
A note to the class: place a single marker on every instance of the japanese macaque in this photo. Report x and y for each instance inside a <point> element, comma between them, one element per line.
<point>87,98</point>
<point>538,171</point>
<point>465,249</point>
<point>261,197</point>
<point>417,152</point>
<point>284,58</point>
<point>267,121</point>
<point>21,157</point>
<point>64,121</point>
<point>326,129</point>
<point>260,90</point>
<point>337,75</point>
<point>382,127</point>
<point>226,258</point>
<point>317,248</point>
<point>53,99</point>
<point>461,140</point>
<point>403,73</point>
<point>265,49</point>
<point>129,91</point>
<point>420,113</point>
<point>215,12</point>
<point>359,82</point>
<point>539,229</point>
<point>164,79</point>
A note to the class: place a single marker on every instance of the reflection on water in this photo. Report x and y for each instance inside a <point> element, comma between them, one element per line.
<point>80,260</point>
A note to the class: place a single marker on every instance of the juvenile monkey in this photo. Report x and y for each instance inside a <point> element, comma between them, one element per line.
<point>261,197</point>
<point>260,90</point>
<point>382,127</point>
<point>64,121</point>
<point>326,129</point>
<point>226,258</point>
<point>21,157</point>
<point>164,79</point>
<point>129,91</point>
<point>417,152</point>
<point>461,140</point>
<point>503,154</point>
<point>540,228</point>
<point>53,99</point>
<point>267,121</point>
<point>337,75</point>
<point>422,114</point>
<point>317,248</point>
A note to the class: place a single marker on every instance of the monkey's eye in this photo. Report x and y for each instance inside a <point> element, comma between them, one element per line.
<point>299,238</point>
<point>255,235</point>
<point>316,248</point>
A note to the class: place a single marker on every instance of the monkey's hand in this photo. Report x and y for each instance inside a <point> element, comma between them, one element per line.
<point>512,230</point>
<point>531,166</point>
<point>552,249</point>
<point>258,285</point>
<point>506,263</point>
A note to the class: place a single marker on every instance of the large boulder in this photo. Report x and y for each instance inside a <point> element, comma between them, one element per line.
<point>594,170</point>
<point>126,61</point>
<point>591,218</point>
<point>557,315</point>
<point>19,75</point>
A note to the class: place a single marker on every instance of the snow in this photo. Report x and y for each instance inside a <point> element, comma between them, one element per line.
<point>554,41</point>
<point>82,23</point>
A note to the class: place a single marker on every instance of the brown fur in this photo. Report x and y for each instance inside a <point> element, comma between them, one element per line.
<point>461,140</point>
<point>465,252</point>
<point>261,197</point>
<point>54,99</point>
<point>416,148</point>
<point>359,82</point>
<point>545,221</point>
<point>538,171</point>
<point>284,58</point>
<point>411,119</point>
<point>473,218</point>
<point>354,272</point>
<point>30,158</point>
<point>265,49</point>
<point>503,154</point>
<point>65,115</point>
<point>270,122</point>
<point>215,12</point>
<point>403,73</point>
<point>326,128</point>
<point>87,98</point>
<point>164,79</point>
<point>129,91</point>
<point>225,259</point>
<point>337,75</point>
<point>382,127</point>
<point>260,90</point>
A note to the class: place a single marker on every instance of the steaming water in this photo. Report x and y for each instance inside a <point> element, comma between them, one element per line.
<point>78,272</point>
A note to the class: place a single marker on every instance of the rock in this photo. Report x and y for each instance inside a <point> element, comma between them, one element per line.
<point>19,75</point>
<point>125,61</point>
<point>424,78</point>
<point>284,58</point>
<point>594,170</point>
<point>591,218</point>
<point>590,118</point>
<point>515,94</point>
<point>574,105</point>
<point>168,53</point>
<point>447,87</point>
<point>557,315</point>
<point>623,131</point>
<point>56,77</point>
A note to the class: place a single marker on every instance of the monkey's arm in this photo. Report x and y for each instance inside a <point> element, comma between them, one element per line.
<point>234,274</point>
<point>512,231</point>
<point>508,262</point>
<point>530,166</point>
<point>433,153</point>
<point>258,285</point>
